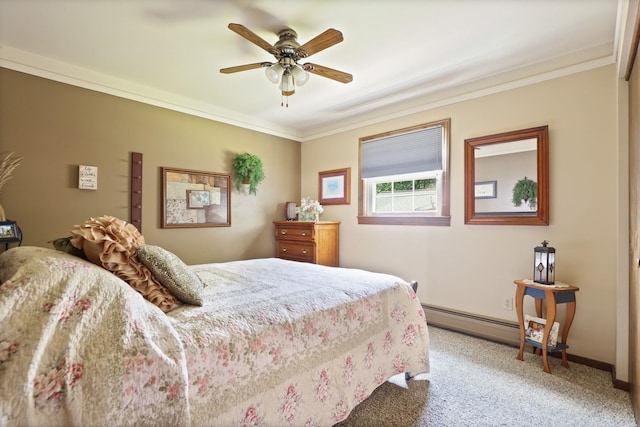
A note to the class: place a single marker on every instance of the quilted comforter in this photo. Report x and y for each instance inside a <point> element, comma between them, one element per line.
<point>275,343</point>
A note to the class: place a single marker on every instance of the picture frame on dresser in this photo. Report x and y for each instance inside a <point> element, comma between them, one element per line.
<point>334,187</point>
<point>192,198</point>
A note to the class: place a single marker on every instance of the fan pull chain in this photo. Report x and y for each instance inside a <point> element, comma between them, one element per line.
<point>282,103</point>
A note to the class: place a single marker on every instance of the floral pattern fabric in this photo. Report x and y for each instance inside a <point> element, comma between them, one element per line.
<point>275,343</point>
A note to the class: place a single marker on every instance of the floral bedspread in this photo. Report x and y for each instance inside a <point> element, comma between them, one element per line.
<point>276,343</point>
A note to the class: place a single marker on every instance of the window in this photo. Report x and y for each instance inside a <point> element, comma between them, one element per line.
<point>404,176</point>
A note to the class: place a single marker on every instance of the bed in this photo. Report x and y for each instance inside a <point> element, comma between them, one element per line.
<point>273,343</point>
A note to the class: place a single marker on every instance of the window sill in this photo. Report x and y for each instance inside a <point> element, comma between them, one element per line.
<point>406,220</point>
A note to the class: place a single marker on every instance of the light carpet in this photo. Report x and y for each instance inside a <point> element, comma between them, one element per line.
<point>475,382</point>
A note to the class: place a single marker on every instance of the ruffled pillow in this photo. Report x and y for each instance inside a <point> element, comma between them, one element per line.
<point>112,243</point>
<point>174,274</point>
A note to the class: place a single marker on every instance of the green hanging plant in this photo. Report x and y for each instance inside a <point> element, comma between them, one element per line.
<point>525,190</point>
<point>247,169</point>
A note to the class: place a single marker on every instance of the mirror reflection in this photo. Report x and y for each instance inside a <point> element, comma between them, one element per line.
<point>514,166</point>
<point>506,178</point>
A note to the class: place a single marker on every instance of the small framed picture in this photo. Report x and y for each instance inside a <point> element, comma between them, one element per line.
<point>534,330</point>
<point>334,187</point>
<point>486,190</point>
<point>87,177</point>
<point>198,199</point>
<point>9,231</point>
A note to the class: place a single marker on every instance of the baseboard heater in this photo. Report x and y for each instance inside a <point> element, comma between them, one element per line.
<point>484,327</point>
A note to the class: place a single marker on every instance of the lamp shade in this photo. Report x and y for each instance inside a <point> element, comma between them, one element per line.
<point>544,264</point>
<point>300,76</point>
<point>274,72</point>
<point>290,211</point>
<point>286,85</point>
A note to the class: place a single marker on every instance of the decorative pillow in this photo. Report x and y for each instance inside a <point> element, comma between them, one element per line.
<point>174,274</point>
<point>63,244</point>
<point>112,243</point>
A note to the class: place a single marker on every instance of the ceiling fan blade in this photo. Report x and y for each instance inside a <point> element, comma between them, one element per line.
<point>251,36</point>
<point>328,72</point>
<point>321,42</point>
<point>244,67</point>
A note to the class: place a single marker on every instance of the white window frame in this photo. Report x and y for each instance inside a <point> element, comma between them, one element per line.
<point>367,187</point>
<point>371,184</point>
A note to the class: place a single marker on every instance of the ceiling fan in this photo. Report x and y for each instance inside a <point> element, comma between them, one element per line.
<point>287,52</point>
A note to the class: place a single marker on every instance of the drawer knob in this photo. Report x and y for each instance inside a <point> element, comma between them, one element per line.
<point>283,232</point>
<point>304,233</point>
<point>304,251</point>
<point>284,249</point>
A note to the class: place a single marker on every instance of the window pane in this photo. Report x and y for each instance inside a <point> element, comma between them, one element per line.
<point>384,203</point>
<point>403,186</point>
<point>426,200</point>
<point>383,187</point>
<point>426,184</point>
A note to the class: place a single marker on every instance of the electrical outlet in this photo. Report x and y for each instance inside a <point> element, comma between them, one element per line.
<point>507,304</point>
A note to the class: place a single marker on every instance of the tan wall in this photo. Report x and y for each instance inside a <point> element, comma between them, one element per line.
<point>472,268</point>
<point>57,127</point>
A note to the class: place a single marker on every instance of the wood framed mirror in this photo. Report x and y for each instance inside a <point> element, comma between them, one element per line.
<point>506,178</point>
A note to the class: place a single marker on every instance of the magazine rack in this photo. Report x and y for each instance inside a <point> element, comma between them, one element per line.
<point>554,294</point>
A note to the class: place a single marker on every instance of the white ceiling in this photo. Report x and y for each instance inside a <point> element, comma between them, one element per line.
<point>405,55</point>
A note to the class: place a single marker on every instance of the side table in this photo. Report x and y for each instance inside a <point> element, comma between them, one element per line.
<point>553,294</point>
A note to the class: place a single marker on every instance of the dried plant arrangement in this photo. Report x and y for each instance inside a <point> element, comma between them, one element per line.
<point>7,167</point>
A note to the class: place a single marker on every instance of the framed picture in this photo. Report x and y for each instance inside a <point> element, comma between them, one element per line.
<point>334,187</point>
<point>9,232</point>
<point>486,190</point>
<point>87,177</point>
<point>534,330</point>
<point>195,198</point>
<point>198,199</point>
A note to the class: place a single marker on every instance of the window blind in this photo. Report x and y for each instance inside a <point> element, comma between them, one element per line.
<point>418,151</point>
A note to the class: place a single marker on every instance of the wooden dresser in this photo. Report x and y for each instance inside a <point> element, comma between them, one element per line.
<point>315,242</point>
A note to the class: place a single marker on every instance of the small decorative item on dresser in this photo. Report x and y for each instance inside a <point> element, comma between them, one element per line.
<point>309,210</point>
<point>290,211</point>
<point>544,264</point>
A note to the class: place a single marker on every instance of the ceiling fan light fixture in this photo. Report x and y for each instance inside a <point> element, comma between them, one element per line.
<point>286,85</point>
<point>287,52</point>
<point>274,72</point>
<point>300,76</point>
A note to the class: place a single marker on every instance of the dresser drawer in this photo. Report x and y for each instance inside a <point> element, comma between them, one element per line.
<point>286,232</point>
<point>297,251</point>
